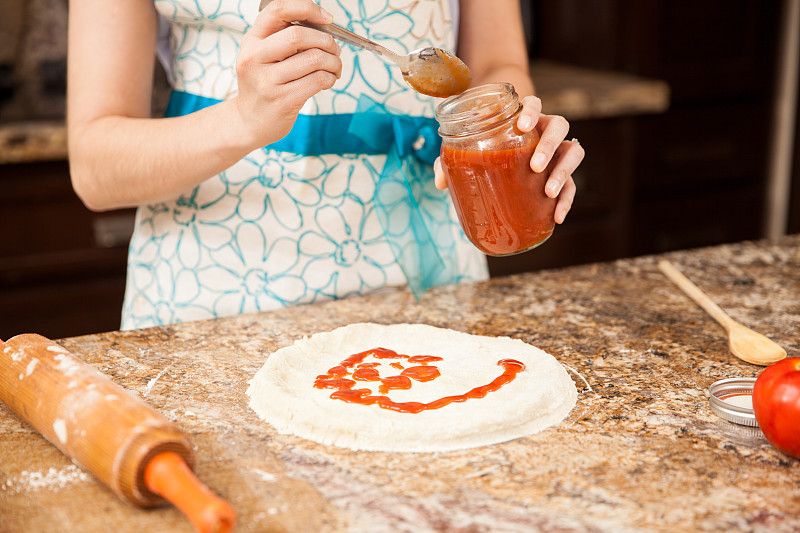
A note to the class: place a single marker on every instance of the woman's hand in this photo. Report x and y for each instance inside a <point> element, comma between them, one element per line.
<point>553,151</point>
<point>562,156</point>
<point>281,65</point>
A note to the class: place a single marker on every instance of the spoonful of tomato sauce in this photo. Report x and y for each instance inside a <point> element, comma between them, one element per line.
<point>431,71</point>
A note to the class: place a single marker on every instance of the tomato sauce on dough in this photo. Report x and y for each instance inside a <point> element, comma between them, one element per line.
<point>422,371</point>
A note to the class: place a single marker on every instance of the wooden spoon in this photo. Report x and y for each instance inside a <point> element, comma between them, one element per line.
<point>744,343</point>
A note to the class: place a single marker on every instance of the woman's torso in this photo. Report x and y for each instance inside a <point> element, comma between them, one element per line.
<point>280,228</point>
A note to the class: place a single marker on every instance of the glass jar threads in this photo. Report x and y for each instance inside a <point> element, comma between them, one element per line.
<point>499,199</point>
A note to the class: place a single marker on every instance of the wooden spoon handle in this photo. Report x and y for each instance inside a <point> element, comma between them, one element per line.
<point>695,294</point>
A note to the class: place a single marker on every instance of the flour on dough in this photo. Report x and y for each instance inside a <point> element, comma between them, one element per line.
<point>283,394</point>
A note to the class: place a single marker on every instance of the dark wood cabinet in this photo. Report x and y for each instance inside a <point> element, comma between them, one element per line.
<point>62,267</point>
<point>708,50</point>
<point>793,222</point>
<point>700,178</point>
<point>693,176</point>
<point>597,225</point>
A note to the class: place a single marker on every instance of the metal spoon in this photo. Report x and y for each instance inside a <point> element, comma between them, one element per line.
<point>430,71</point>
<point>744,343</point>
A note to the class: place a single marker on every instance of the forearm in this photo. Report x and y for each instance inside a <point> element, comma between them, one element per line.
<point>121,157</point>
<point>118,161</point>
<point>513,74</point>
<point>492,43</point>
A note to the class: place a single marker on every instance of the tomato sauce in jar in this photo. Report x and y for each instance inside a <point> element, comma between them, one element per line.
<point>499,199</point>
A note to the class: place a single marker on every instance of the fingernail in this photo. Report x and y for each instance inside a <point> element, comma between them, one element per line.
<point>551,189</point>
<point>539,162</point>
<point>524,122</point>
<point>326,14</point>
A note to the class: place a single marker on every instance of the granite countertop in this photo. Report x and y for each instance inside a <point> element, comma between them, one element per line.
<point>579,93</point>
<point>574,92</point>
<point>640,452</point>
<point>30,142</point>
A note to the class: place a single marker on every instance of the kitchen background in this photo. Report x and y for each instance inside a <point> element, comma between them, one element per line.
<point>687,109</point>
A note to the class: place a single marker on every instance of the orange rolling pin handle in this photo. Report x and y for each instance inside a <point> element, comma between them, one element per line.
<point>168,475</point>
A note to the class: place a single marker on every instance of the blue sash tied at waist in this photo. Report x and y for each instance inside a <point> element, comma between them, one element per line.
<point>412,212</point>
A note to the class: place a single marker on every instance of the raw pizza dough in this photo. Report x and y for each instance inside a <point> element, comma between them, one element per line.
<point>283,392</point>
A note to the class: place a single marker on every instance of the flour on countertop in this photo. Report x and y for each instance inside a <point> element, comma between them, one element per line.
<point>152,382</point>
<point>50,479</point>
<point>265,476</point>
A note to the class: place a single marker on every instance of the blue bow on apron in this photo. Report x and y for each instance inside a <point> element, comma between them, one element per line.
<point>411,210</point>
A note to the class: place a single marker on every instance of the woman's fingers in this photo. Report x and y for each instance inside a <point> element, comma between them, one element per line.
<point>281,65</point>
<point>295,93</point>
<point>565,156</point>
<point>529,116</point>
<point>280,13</point>
<point>560,183</point>
<point>295,62</point>
<point>564,202</point>
<point>567,159</point>
<point>568,156</point>
<point>274,39</point>
<point>553,129</point>
<point>302,64</point>
<point>291,41</point>
<point>439,178</point>
<point>292,52</point>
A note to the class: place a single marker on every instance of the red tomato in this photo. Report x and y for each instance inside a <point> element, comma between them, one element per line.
<point>776,404</point>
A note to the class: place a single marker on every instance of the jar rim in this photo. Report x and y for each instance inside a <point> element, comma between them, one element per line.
<point>459,112</point>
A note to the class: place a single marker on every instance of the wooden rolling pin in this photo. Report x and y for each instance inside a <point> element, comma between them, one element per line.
<point>135,451</point>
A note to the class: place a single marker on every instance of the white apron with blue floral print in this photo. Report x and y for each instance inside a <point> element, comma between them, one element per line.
<point>281,228</point>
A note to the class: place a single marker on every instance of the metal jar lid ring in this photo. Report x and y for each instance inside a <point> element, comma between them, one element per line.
<point>720,394</point>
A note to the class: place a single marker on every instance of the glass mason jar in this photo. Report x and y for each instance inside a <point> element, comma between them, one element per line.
<point>499,199</point>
